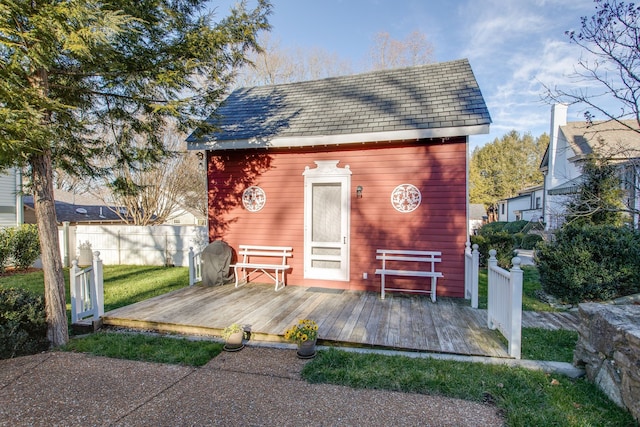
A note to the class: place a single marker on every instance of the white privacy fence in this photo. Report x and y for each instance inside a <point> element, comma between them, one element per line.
<point>504,302</point>
<point>471,273</point>
<point>87,290</point>
<point>133,245</point>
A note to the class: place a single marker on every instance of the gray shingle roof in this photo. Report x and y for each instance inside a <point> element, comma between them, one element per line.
<point>613,140</point>
<point>607,138</point>
<point>434,100</point>
<point>78,208</point>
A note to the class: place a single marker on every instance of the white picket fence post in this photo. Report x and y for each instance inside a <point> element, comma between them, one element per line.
<point>98,275</point>
<point>87,290</point>
<point>504,302</point>
<point>195,267</point>
<point>471,271</point>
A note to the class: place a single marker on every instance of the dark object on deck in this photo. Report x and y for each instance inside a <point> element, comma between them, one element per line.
<point>216,259</point>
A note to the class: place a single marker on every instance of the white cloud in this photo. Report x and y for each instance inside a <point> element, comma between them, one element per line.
<point>517,48</point>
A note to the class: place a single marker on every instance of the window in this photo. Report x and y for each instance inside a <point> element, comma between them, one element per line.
<point>502,207</point>
<point>538,203</point>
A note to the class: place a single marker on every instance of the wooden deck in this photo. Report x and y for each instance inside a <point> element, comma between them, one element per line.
<point>347,318</point>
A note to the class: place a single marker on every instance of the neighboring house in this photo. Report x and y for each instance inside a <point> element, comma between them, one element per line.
<point>340,167</point>
<point>11,198</point>
<point>570,144</point>
<point>527,205</point>
<point>186,216</point>
<point>86,209</point>
<point>75,209</point>
<point>477,217</point>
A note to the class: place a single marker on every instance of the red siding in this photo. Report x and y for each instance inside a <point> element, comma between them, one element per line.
<point>437,169</point>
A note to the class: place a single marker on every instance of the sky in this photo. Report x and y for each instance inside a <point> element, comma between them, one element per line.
<point>513,46</point>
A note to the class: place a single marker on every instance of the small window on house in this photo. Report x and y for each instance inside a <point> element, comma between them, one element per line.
<point>502,207</point>
<point>201,222</point>
<point>176,221</point>
<point>538,201</point>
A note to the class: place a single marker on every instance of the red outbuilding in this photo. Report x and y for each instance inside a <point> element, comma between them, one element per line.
<point>341,167</point>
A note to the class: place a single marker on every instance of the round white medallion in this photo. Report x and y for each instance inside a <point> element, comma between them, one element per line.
<point>406,198</point>
<point>254,198</point>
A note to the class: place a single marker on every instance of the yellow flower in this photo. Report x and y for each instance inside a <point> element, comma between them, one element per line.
<point>303,330</point>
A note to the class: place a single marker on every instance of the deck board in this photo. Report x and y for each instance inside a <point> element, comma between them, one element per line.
<point>359,332</point>
<point>400,321</point>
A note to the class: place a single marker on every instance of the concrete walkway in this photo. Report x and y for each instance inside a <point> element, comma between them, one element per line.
<point>257,386</point>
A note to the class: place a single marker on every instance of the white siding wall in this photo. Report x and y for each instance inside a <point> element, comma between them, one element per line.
<point>565,171</point>
<point>518,204</point>
<point>8,199</point>
<point>555,210</point>
<point>503,212</point>
<point>136,245</point>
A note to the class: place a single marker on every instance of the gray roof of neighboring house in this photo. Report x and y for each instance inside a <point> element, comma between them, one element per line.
<point>77,208</point>
<point>477,211</point>
<point>617,141</point>
<point>429,101</point>
<point>610,138</point>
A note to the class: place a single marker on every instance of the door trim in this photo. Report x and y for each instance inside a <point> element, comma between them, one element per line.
<point>328,172</point>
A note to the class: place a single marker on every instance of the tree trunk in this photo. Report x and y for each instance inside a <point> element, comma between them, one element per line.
<point>54,286</point>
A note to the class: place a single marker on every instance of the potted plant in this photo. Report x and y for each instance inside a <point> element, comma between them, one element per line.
<point>233,335</point>
<point>304,334</point>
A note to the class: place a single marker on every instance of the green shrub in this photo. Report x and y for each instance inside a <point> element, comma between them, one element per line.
<point>517,240</point>
<point>503,244</point>
<point>528,241</point>
<point>515,226</point>
<point>590,263</point>
<point>5,247</point>
<point>25,246</point>
<point>19,246</point>
<point>504,237</point>
<point>491,228</point>
<point>23,325</point>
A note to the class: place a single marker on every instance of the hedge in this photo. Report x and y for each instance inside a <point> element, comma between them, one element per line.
<point>590,263</point>
<point>19,246</point>
<point>23,325</point>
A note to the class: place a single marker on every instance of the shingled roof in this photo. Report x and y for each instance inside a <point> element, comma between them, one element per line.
<point>430,101</point>
<point>79,209</point>
<point>613,140</point>
<point>607,138</point>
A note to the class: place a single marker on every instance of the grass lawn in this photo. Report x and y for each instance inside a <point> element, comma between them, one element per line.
<point>123,284</point>
<point>527,398</point>
<point>147,348</point>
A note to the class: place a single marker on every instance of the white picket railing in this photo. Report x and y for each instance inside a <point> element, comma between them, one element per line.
<point>471,273</point>
<point>87,290</point>
<point>195,267</point>
<point>504,302</point>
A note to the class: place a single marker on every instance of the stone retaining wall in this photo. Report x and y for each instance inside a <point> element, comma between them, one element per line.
<point>609,350</point>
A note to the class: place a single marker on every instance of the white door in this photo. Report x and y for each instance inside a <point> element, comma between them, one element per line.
<point>326,221</point>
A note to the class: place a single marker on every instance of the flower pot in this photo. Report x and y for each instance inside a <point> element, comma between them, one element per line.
<point>307,349</point>
<point>234,342</point>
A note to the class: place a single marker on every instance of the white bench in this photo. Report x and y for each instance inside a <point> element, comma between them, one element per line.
<point>395,257</point>
<point>262,253</point>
